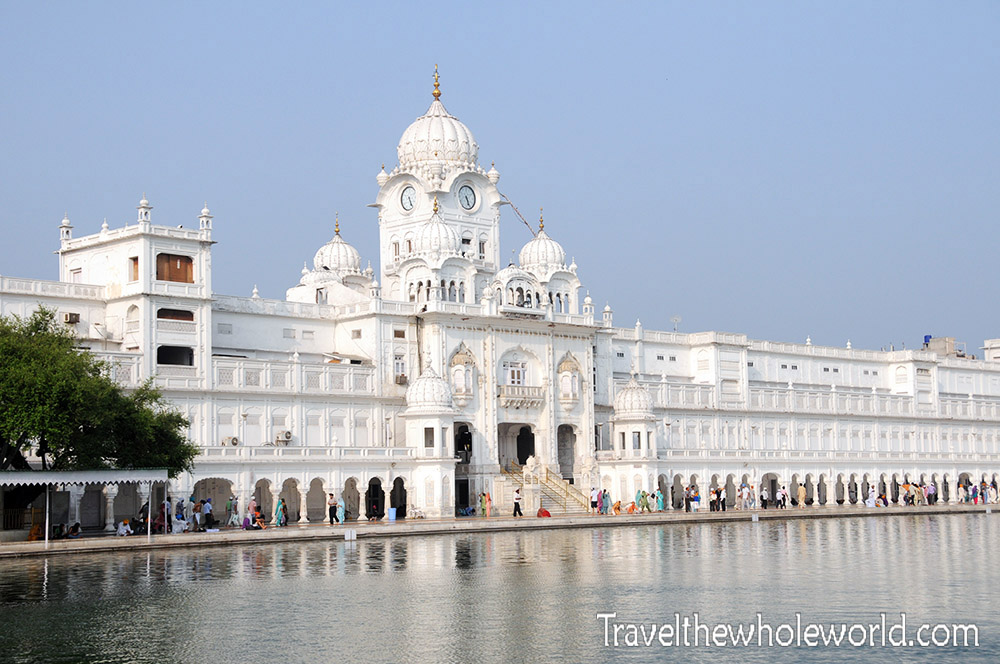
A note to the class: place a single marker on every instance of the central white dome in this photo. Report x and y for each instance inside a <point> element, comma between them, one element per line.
<point>542,253</point>
<point>633,402</point>
<point>429,393</point>
<point>437,136</point>
<point>337,256</point>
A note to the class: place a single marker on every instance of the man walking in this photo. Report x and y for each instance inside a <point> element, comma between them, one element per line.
<point>517,502</point>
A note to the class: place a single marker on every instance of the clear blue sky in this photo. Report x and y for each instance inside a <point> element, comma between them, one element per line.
<point>778,169</point>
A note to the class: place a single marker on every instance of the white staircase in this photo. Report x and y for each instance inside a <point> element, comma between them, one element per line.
<point>557,495</point>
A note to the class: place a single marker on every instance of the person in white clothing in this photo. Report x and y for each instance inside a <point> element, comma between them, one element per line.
<point>593,500</point>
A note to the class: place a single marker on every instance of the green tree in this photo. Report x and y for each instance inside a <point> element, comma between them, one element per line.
<point>58,402</point>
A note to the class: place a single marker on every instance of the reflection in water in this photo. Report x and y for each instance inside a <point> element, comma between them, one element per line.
<point>484,597</point>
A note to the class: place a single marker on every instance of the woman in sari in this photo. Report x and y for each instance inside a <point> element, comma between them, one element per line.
<point>489,505</point>
<point>600,502</point>
<point>341,508</point>
<point>278,512</point>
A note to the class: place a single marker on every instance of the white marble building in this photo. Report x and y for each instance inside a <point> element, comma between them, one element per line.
<point>451,373</point>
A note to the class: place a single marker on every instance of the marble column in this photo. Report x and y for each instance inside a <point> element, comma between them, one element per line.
<point>831,493</point>
<point>110,491</point>
<point>75,496</point>
<point>953,492</point>
<point>142,490</point>
<point>303,510</point>
<point>275,496</point>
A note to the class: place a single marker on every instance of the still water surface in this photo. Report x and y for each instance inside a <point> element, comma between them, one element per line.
<point>518,596</point>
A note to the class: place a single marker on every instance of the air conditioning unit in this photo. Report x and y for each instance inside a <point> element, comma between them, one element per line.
<point>285,435</point>
<point>401,379</point>
<point>231,440</point>
<point>71,318</point>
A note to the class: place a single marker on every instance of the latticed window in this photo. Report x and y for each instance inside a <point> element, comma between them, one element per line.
<point>516,372</point>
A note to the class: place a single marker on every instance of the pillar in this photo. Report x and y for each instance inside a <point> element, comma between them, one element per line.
<point>75,496</point>
<point>831,492</point>
<point>275,497</point>
<point>110,491</point>
<point>303,509</point>
<point>243,501</point>
<point>953,493</point>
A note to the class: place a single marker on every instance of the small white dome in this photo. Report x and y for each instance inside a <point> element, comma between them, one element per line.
<point>429,393</point>
<point>337,256</point>
<point>633,401</point>
<point>436,237</point>
<point>512,273</point>
<point>542,253</point>
<point>437,136</point>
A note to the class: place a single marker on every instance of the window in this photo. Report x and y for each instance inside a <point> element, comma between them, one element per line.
<point>395,251</point>
<point>784,366</point>
<point>321,296</point>
<point>620,354</point>
<point>355,334</point>
<point>399,334</point>
<point>622,438</point>
<point>836,370</point>
<point>225,328</point>
<point>866,372</point>
<point>749,364</point>
<point>76,276</point>
<point>673,358</point>
<point>308,334</point>
<point>133,268</point>
<point>288,333</point>
<point>482,250</point>
<point>636,440</point>
<point>170,267</point>
<point>174,314</point>
<point>826,369</point>
<point>516,372</point>
<point>874,372</point>
<point>659,357</point>
<point>795,367</point>
<point>399,365</point>
<point>409,246</point>
<point>466,246</point>
<point>927,372</point>
<point>178,355</point>
<point>428,437</point>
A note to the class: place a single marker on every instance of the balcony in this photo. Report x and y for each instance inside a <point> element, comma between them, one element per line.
<point>521,396</point>
<point>291,377</point>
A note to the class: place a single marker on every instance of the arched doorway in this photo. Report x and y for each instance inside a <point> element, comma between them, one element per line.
<point>525,445</point>
<point>375,499</point>
<point>463,442</point>
<point>290,496</point>
<point>315,502</point>
<point>352,499</point>
<point>566,437</point>
<point>262,495</point>
<point>397,497</point>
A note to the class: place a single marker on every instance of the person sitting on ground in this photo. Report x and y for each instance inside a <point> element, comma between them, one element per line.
<point>542,512</point>
<point>617,507</point>
<point>124,529</point>
<point>59,532</point>
<point>74,531</point>
<point>258,521</point>
<point>631,509</point>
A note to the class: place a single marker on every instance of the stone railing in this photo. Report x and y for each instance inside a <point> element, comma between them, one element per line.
<point>822,401</point>
<point>51,288</point>
<point>288,454</point>
<point>181,326</point>
<point>520,396</point>
<point>291,377</point>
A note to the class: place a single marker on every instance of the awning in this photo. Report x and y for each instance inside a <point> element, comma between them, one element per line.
<point>42,477</point>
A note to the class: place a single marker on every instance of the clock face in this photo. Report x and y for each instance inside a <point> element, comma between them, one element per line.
<point>408,199</point>
<point>467,197</point>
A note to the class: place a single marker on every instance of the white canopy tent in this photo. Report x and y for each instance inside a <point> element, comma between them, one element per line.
<point>48,478</point>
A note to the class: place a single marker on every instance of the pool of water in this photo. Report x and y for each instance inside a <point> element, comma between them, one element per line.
<point>512,596</point>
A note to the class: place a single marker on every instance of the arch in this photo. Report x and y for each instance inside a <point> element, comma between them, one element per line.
<point>291,498</point>
<point>262,496</point>
<point>216,489</point>
<point>352,499</point>
<point>374,500</point>
<point>771,483</point>
<point>397,497</point>
<point>677,492</point>
<point>840,490</point>
<point>566,440</point>
<point>315,501</point>
<point>810,484</point>
<point>663,486</point>
<point>730,490</point>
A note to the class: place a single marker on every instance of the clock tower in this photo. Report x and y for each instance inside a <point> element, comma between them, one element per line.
<point>439,213</point>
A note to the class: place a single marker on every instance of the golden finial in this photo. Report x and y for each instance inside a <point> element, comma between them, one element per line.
<point>541,220</point>
<point>336,223</point>
<point>435,204</point>
<point>437,89</point>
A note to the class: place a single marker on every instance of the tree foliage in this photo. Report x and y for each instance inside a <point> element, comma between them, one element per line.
<point>58,402</point>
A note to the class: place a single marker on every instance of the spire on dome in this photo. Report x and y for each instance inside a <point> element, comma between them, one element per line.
<point>541,220</point>
<point>435,204</point>
<point>336,223</point>
<point>437,88</point>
